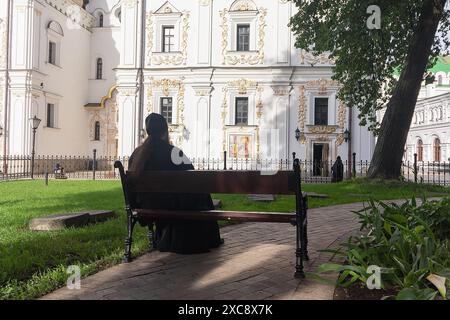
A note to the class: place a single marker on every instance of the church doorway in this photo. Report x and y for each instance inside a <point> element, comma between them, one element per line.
<point>320,159</point>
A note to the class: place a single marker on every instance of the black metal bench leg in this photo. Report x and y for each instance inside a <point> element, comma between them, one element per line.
<point>299,254</point>
<point>129,240</point>
<point>305,238</point>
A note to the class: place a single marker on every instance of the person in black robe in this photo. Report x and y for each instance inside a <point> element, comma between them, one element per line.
<point>179,236</point>
<point>337,170</point>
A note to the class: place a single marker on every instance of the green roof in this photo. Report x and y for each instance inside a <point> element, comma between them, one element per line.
<point>442,65</point>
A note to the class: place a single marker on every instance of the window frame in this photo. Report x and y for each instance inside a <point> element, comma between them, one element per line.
<point>167,114</point>
<point>97,129</point>
<point>50,122</point>
<point>318,113</point>
<point>238,115</point>
<point>99,69</point>
<point>101,20</point>
<point>238,36</point>
<point>171,37</point>
<point>52,52</point>
<point>437,150</point>
<point>419,150</point>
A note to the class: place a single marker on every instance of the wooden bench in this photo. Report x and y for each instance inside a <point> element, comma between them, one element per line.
<point>226,182</point>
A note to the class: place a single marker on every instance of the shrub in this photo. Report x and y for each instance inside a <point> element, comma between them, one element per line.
<point>409,242</point>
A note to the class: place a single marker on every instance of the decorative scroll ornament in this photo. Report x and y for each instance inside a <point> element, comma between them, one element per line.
<point>167,58</point>
<point>242,86</point>
<point>243,5</point>
<point>168,85</point>
<point>341,122</point>
<point>322,85</point>
<point>307,58</point>
<point>322,129</point>
<point>235,58</point>
<point>302,113</point>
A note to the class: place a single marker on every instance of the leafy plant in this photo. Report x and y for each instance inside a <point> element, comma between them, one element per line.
<point>409,242</point>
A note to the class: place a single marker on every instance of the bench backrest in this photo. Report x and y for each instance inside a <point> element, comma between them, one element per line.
<point>228,182</point>
<point>232,182</point>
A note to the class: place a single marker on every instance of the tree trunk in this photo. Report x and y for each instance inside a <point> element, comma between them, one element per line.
<point>387,159</point>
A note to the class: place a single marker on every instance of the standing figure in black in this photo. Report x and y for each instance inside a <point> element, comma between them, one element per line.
<point>179,236</point>
<point>337,171</point>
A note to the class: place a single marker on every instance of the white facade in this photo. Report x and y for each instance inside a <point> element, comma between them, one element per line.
<point>429,135</point>
<point>204,75</point>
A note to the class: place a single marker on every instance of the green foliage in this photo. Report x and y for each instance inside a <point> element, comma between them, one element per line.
<point>409,242</point>
<point>365,60</point>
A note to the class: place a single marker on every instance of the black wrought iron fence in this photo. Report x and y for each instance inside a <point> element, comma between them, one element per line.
<point>101,168</point>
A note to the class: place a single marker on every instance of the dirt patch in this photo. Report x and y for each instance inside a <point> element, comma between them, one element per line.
<point>359,292</point>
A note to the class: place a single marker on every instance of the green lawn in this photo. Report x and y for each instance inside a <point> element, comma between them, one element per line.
<point>33,263</point>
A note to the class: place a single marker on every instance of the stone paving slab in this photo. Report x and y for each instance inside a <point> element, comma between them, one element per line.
<point>256,262</point>
<point>69,220</point>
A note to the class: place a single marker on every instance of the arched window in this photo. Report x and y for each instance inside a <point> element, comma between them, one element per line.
<point>437,149</point>
<point>100,20</point>
<point>420,150</point>
<point>97,131</point>
<point>440,80</point>
<point>99,72</point>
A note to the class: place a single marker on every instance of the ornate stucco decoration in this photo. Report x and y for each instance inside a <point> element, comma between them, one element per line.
<point>74,13</point>
<point>341,122</point>
<point>167,58</point>
<point>322,129</point>
<point>323,85</point>
<point>251,57</point>
<point>302,113</point>
<point>168,86</point>
<point>280,91</point>
<point>202,91</point>
<point>307,58</point>
<point>242,86</point>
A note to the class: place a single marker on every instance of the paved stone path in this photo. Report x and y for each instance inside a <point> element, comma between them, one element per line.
<point>256,262</point>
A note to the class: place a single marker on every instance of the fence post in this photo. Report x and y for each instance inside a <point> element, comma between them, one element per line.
<point>415,168</point>
<point>93,164</point>
<point>354,164</point>
<point>46,177</point>
<point>225,160</point>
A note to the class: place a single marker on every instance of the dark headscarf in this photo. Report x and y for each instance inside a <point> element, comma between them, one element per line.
<point>156,126</point>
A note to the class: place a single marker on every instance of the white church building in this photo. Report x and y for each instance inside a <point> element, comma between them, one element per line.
<point>429,135</point>
<point>225,74</point>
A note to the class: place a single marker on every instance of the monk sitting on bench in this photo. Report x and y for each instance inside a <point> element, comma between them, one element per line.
<point>179,236</point>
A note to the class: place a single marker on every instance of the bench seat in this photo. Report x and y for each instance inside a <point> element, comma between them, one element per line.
<point>239,216</point>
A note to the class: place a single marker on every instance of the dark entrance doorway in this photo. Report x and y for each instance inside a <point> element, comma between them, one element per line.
<point>317,159</point>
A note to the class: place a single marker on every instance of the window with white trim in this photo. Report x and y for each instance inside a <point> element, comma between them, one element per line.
<point>241,113</point>
<point>321,112</point>
<point>168,39</point>
<point>166,108</point>
<point>51,115</point>
<point>55,36</point>
<point>52,52</point>
<point>243,37</point>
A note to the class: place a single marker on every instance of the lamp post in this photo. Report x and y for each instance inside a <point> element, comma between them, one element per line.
<point>35,121</point>
<point>346,135</point>
<point>298,134</point>
<point>348,139</point>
